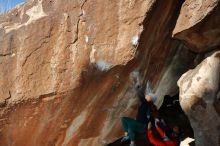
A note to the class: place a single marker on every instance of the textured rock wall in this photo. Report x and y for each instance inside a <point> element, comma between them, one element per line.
<point>198,25</point>
<point>198,28</point>
<point>65,65</point>
<point>199,98</point>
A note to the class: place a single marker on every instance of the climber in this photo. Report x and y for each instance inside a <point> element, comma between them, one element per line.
<point>171,103</point>
<point>131,127</point>
<point>166,141</point>
<point>146,108</point>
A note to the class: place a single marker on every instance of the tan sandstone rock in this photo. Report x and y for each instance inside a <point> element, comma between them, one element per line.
<point>198,24</point>
<point>65,65</point>
<point>200,99</point>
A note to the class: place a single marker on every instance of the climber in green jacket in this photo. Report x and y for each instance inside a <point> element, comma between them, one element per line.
<point>146,108</point>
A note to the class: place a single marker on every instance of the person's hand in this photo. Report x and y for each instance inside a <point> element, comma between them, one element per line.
<point>148,98</point>
<point>149,125</point>
<point>135,78</point>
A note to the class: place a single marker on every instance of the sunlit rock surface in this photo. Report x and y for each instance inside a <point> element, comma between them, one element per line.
<point>65,66</point>
<point>198,24</point>
<point>199,98</point>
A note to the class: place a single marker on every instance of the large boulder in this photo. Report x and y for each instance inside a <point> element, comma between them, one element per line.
<point>65,65</point>
<point>198,24</point>
<point>200,99</point>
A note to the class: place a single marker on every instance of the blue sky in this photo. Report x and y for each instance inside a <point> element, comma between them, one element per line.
<point>8,4</point>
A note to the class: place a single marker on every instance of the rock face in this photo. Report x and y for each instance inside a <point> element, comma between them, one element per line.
<point>65,66</point>
<point>180,61</point>
<point>200,97</point>
<point>198,24</point>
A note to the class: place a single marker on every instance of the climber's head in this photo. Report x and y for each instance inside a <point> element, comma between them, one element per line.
<point>150,97</point>
<point>176,129</point>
